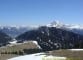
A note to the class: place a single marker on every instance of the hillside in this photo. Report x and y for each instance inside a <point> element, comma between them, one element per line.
<point>4,39</point>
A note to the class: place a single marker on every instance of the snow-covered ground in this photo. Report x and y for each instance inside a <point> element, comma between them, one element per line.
<point>75,49</point>
<point>38,56</point>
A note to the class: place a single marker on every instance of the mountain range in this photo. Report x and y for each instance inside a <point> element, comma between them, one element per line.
<point>52,36</point>
<point>14,31</point>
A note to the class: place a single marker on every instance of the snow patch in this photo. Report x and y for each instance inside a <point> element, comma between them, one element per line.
<point>13,42</point>
<point>38,56</point>
<point>36,44</point>
<point>75,49</point>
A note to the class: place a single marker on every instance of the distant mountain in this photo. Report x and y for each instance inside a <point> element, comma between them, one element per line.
<point>50,38</point>
<point>4,39</point>
<point>70,27</point>
<point>14,31</point>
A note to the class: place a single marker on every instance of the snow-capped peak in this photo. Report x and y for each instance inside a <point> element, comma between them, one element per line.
<point>76,28</point>
<point>58,24</point>
<point>55,24</point>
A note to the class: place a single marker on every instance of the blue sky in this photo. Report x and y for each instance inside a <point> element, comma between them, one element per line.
<point>40,12</point>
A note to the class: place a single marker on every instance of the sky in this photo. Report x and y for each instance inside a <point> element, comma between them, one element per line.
<point>40,12</point>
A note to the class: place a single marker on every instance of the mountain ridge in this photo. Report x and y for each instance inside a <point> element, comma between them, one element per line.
<point>50,38</point>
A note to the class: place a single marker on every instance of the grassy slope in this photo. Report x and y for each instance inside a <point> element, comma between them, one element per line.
<point>14,48</point>
<point>18,47</point>
<point>72,55</point>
